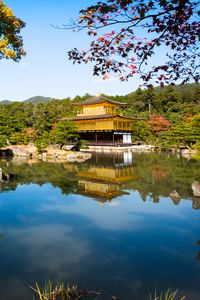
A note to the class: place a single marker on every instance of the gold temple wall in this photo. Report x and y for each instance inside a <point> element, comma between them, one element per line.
<point>103,109</point>
<point>105,124</point>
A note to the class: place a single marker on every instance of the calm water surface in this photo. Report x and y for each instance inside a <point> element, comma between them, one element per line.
<point>106,224</point>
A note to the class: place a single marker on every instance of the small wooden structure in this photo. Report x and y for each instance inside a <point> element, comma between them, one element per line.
<point>100,123</point>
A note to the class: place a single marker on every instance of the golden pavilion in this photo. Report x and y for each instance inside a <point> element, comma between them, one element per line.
<point>99,122</point>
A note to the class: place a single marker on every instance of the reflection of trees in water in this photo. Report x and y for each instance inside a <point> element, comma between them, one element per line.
<point>158,174</point>
<point>40,173</point>
<point>155,174</point>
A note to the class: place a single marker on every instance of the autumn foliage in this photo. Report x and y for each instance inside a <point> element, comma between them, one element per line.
<point>127,33</point>
<point>11,43</point>
<point>158,123</point>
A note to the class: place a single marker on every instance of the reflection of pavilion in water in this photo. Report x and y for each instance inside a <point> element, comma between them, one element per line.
<point>109,175</point>
<point>104,178</point>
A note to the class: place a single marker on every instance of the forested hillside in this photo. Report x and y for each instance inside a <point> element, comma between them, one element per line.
<point>38,99</point>
<point>172,115</point>
<point>171,118</point>
<point>35,99</point>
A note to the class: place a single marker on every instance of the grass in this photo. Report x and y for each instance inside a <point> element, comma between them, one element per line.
<point>73,292</point>
<point>168,295</point>
<point>62,292</point>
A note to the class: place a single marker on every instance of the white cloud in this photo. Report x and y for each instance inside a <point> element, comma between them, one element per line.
<point>49,246</point>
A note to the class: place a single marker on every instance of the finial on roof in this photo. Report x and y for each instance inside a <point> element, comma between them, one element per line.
<point>98,94</point>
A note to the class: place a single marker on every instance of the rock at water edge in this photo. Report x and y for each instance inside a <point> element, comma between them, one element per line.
<point>196,188</point>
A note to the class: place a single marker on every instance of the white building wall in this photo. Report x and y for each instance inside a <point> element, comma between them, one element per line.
<point>127,138</point>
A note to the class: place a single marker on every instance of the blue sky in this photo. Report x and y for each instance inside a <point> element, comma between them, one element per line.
<point>46,70</point>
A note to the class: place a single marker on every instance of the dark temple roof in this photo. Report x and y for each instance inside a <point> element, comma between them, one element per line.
<point>93,117</point>
<point>99,99</point>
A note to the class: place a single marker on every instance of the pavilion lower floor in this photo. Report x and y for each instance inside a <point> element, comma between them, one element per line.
<point>107,138</point>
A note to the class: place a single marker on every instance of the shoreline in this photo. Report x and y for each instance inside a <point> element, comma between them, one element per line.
<point>141,148</point>
<point>50,154</point>
<point>133,148</point>
<point>54,153</point>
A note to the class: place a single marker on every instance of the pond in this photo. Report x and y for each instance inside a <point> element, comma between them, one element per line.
<point>108,224</point>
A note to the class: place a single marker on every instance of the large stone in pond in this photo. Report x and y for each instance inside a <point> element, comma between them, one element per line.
<point>196,188</point>
<point>175,197</point>
<point>174,194</point>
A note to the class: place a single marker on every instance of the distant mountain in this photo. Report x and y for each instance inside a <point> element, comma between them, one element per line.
<point>34,100</point>
<point>5,102</point>
<point>38,99</point>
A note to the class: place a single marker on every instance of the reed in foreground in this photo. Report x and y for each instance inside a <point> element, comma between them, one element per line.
<point>62,292</point>
<point>73,292</point>
<point>168,295</point>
